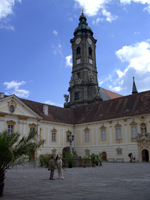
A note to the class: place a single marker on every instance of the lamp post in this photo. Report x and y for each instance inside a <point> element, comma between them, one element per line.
<point>70,138</point>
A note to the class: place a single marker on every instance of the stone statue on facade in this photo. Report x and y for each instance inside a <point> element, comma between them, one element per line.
<point>77,80</point>
<point>66,98</point>
<point>143,128</point>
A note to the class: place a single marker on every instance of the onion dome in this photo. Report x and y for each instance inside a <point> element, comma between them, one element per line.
<point>83,28</point>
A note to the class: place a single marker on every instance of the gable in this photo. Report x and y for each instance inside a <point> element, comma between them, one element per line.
<point>13,105</point>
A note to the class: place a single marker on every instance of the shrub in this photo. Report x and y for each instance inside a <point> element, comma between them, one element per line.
<point>44,159</point>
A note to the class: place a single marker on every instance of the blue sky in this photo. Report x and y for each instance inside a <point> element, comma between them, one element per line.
<point>35,48</point>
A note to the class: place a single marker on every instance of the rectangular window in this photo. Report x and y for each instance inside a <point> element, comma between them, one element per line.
<point>67,138</point>
<point>87,153</point>
<point>103,134</point>
<point>10,129</point>
<point>134,131</point>
<point>53,137</point>
<point>87,136</point>
<point>32,129</point>
<point>118,133</point>
<point>78,61</point>
<point>119,152</point>
<point>90,61</point>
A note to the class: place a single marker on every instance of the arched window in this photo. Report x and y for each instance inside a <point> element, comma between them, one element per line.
<point>76,96</point>
<point>78,74</point>
<point>90,51</point>
<point>78,50</point>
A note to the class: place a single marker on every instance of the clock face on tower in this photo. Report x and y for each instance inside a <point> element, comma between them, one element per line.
<point>78,40</point>
<point>89,41</point>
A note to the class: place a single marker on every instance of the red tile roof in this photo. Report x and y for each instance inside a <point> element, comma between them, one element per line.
<point>55,114</point>
<point>111,94</point>
<point>125,106</point>
<point>135,104</point>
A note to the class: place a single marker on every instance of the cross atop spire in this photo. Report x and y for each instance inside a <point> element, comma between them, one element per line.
<point>134,90</point>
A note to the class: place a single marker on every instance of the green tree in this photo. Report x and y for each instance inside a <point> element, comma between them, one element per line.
<point>70,158</point>
<point>15,149</point>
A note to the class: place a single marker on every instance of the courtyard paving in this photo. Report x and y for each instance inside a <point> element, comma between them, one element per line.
<point>114,181</point>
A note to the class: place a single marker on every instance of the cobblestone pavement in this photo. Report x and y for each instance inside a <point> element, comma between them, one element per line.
<point>125,181</point>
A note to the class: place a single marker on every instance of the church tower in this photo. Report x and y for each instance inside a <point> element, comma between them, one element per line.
<point>83,86</point>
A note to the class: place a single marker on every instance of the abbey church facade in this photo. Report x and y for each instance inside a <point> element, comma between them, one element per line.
<point>100,120</point>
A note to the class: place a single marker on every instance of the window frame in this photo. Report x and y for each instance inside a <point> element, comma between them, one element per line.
<point>133,134</point>
<point>87,152</point>
<point>118,135</point>
<point>76,96</point>
<point>87,136</point>
<point>78,61</point>
<point>10,129</point>
<point>11,126</point>
<point>119,151</point>
<point>53,136</point>
<point>32,129</point>
<point>103,134</point>
<point>90,51</point>
<point>78,50</point>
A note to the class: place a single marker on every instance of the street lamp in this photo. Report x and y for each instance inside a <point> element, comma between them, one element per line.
<point>70,138</point>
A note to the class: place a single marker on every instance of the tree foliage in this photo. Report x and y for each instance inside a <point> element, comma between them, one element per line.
<point>15,149</point>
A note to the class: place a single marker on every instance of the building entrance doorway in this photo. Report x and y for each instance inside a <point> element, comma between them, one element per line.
<point>145,155</point>
<point>104,156</point>
<point>67,149</point>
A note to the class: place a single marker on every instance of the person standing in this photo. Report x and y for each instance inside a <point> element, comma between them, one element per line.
<point>59,168</point>
<point>52,167</point>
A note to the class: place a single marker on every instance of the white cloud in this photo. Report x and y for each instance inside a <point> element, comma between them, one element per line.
<point>91,7</point>
<point>136,1</point>
<point>70,19</point>
<point>98,20</point>
<point>8,27</point>
<point>53,104</point>
<point>68,61</point>
<point>138,56</point>
<point>22,93</point>
<point>136,61</point>
<point>105,79</point>
<point>6,7</point>
<point>120,73</point>
<point>137,33</point>
<point>115,89</point>
<point>55,33</point>
<point>15,86</point>
<point>57,49</point>
<point>147,8</point>
<point>108,15</point>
